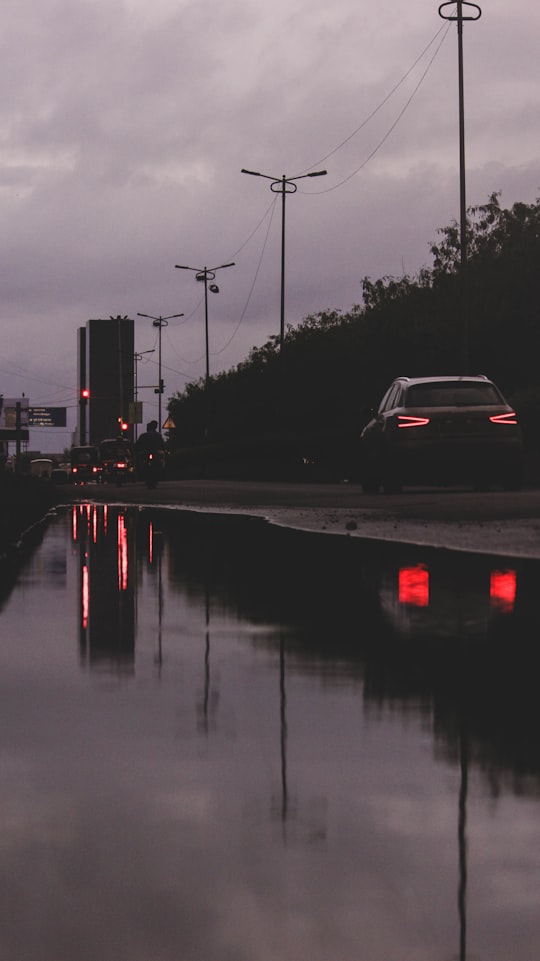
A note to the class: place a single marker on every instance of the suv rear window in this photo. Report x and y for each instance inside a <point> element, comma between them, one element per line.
<point>450,394</point>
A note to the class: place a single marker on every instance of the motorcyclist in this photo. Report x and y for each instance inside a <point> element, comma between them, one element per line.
<point>151,442</point>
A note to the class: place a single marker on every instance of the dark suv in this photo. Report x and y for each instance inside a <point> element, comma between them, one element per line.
<point>441,430</point>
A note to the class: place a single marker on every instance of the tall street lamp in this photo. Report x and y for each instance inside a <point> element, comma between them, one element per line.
<point>204,275</point>
<point>159,322</point>
<point>283,185</point>
<point>460,17</point>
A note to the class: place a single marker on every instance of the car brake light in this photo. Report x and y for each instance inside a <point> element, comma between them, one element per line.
<point>509,418</point>
<point>405,421</point>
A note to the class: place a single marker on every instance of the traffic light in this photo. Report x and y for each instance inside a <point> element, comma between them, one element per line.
<point>160,389</point>
<point>85,393</point>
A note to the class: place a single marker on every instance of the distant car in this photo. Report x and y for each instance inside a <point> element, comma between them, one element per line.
<point>117,462</point>
<point>41,467</point>
<point>441,430</point>
<point>85,464</point>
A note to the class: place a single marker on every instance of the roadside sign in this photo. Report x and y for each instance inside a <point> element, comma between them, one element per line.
<point>169,424</point>
<point>46,416</point>
<point>135,412</point>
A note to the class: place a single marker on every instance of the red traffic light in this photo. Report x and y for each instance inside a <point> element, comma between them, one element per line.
<point>85,393</point>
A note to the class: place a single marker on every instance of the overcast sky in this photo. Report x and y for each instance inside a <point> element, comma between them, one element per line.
<point>125,125</point>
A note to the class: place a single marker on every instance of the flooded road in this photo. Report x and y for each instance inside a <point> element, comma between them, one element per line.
<point>225,740</point>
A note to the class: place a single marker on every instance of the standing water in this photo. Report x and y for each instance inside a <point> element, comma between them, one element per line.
<point>223,741</point>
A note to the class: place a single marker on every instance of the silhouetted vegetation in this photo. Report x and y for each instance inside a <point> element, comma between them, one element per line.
<point>286,415</point>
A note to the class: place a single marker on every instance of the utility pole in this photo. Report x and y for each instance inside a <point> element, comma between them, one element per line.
<point>460,17</point>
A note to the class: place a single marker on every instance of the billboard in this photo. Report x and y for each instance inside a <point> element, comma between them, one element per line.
<point>8,412</point>
<point>8,418</point>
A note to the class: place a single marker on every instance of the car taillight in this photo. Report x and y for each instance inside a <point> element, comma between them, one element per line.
<point>509,418</point>
<point>95,470</point>
<point>73,470</point>
<point>121,463</point>
<point>406,421</point>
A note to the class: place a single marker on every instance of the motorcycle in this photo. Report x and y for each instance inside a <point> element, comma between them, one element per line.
<point>150,468</point>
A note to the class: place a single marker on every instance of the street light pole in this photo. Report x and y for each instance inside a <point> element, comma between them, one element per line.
<point>283,185</point>
<point>460,17</point>
<point>159,322</point>
<point>204,275</point>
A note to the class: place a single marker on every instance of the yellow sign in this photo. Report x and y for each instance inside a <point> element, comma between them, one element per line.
<point>169,424</point>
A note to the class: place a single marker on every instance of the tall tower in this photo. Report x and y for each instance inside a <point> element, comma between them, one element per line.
<point>106,359</point>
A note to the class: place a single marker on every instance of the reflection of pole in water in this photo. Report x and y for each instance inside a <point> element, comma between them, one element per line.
<point>159,655</point>
<point>207,705</point>
<point>206,659</point>
<point>283,729</point>
<point>203,709</point>
<point>462,835</point>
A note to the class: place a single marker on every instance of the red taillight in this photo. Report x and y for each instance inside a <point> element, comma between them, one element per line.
<point>95,470</point>
<point>405,421</point>
<point>509,418</point>
<point>150,457</point>
<point>502,590</point>
<point>413,586</point>
<point>121,463</point>
<point>73,470</point>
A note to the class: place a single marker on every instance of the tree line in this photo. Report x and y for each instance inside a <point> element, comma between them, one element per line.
<point>303,409</point>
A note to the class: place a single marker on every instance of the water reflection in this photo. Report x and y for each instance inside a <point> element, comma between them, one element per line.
<point>106,589</point>
<point>230,740</point>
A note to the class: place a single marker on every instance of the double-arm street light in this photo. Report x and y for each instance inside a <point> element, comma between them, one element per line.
<point>283,185</point>
<point>159,322</point>
<point>204,275</point>
<point>459,16</point>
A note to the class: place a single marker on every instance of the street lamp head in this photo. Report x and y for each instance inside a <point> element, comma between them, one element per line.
<point>214,288</point>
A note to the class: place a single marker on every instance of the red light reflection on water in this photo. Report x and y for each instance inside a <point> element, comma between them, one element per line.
<point>413,586</point>
<point>502,590</point>
<point>85,595</point>
<point>122,554</point>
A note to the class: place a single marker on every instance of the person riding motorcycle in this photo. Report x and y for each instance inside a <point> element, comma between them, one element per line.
<point>150,452</point>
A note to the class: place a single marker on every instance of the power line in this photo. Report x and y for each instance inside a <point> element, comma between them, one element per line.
<point>271,209</point>
<point>394,124</point>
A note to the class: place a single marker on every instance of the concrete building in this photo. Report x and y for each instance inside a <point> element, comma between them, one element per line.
<point>105,366</point>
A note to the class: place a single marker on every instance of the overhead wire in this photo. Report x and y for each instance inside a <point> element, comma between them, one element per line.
<point>443,29</point>
<point>270,209</point>
<point>393,126</point>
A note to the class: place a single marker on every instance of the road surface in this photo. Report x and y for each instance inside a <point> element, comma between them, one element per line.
<point>494,522</point>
